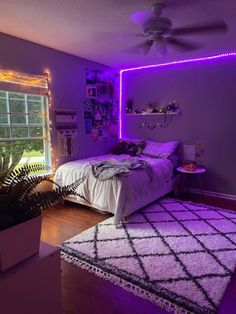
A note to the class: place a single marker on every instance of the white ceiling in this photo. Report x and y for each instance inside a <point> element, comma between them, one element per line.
<point>71,26</point>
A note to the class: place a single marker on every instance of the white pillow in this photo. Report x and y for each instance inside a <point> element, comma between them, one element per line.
<point>161,150</point>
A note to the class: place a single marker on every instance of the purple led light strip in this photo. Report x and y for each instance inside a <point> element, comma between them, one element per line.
<point>220,56</point>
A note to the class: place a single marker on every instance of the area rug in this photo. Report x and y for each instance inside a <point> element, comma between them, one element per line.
<point>179,255</point>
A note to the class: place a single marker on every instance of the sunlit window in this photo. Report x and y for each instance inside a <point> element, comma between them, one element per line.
<point>24,129</point>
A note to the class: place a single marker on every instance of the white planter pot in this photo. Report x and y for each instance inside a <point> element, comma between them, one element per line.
<point>19,242</point>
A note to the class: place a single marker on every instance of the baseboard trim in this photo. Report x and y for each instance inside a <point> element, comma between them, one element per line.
<point>213,194</point>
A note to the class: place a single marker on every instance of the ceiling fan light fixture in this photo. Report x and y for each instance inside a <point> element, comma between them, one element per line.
<point>159,25</point>
<point>157,8</point>
<point>161,46</point>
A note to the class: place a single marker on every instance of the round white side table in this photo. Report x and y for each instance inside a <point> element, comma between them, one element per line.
<point>199,171</point>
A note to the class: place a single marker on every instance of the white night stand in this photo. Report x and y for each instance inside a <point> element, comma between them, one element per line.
<point>185,173</point>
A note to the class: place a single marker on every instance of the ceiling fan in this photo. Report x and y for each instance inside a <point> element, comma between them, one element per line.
<point>158,31</point>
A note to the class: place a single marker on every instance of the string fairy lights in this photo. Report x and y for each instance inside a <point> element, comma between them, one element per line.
<point>23,79</point>
<point>47,75</point>
<point>54,160</point>
<point>159,66</point>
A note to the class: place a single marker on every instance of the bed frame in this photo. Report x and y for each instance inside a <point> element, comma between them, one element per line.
<point>165,189</point>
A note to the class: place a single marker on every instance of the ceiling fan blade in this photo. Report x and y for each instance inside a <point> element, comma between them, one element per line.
<point>182,44</point>
<point>212,26</point>
<point>115,36</point>
<point>142,47</point>
<point>141,17</point>
<point>146,47</point>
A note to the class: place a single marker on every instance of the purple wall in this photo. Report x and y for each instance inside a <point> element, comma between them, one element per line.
<point>206,92</point>
<point>68,85</point>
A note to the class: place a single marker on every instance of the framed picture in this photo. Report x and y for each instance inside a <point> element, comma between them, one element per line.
<point>91,77</point>
<point>88,126</point>
<point>87,115</point>
<point>91,91</point>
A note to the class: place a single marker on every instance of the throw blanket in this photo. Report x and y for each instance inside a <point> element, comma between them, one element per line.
<point>108,169</point>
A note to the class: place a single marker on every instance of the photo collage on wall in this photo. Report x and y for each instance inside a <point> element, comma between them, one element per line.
<point>100,106</point>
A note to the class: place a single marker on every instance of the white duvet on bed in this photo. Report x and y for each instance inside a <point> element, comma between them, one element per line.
<point>121,195</point>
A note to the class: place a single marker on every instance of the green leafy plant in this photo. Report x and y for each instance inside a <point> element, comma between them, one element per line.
<point>20,200</point>
<point>12,152</point>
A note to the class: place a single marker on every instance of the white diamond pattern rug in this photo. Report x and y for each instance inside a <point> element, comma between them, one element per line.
<point>177,254</point>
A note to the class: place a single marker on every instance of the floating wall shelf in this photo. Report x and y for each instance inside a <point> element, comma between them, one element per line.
<point>152,120</point>
<point>154,114</point>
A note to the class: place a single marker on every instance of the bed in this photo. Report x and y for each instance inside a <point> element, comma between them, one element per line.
<point>120,195</point>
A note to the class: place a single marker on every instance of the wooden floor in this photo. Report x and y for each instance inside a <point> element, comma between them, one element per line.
<point>85,293</point>
<point>61,222</point>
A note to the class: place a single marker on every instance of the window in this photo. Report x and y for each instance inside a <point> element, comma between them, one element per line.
<point>24,128</point>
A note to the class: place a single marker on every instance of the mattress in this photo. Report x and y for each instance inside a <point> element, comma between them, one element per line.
<point>120,195</point>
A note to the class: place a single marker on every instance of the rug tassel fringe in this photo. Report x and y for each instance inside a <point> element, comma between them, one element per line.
<point>162,303</point>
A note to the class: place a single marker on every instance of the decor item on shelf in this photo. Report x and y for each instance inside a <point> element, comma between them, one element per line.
<point>151,108</point>
<point>138,111</point>
<point>101,106</point>
<point>129,106</point>
<point>21,206</point>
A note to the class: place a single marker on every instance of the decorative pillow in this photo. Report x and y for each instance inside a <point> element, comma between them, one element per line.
<point>136,149</point>
<point>160,150</point>
<point>128,147</point>
<point>120,148</point>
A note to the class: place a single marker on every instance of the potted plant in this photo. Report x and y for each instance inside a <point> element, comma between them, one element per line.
<point>21,206</point>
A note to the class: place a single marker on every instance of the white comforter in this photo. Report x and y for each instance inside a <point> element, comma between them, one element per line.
<point>120,195</point>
